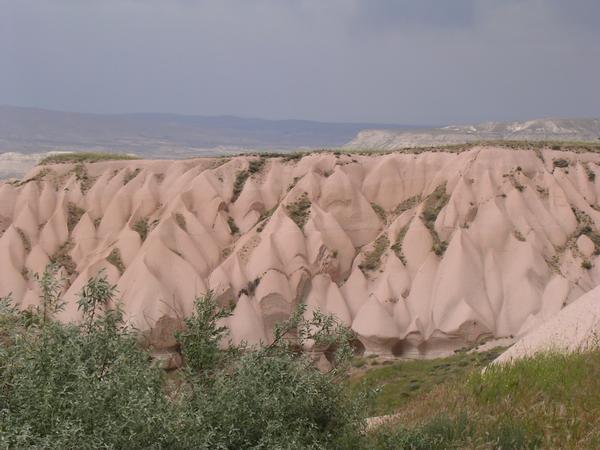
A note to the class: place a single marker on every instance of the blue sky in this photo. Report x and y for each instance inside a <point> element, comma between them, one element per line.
<point>398,61</point>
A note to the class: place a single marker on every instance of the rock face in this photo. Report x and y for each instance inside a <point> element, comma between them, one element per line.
<point>575,328</point>
<point>419,254</point>
<point>530,130</point>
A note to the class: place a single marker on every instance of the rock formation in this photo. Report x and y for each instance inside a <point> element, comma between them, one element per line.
<point>530,130</point>
<point>575,328</point>
<point>418,253</point>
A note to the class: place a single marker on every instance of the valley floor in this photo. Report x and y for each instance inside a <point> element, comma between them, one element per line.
<point>550,401</point>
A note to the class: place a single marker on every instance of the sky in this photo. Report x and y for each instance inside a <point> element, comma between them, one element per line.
<point>419,62</point>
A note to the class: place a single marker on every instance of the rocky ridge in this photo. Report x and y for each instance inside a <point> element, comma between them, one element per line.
<point>419,253</point>
<point>531,130</point>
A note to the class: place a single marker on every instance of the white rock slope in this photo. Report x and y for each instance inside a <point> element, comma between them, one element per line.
<point>419,254</point>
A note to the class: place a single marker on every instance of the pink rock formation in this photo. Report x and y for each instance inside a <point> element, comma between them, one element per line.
<point>575,328</point>
<point>417,253</point>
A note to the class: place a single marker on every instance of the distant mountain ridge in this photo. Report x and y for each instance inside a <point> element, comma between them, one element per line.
<point>33,130</point>
<point>535,130</point>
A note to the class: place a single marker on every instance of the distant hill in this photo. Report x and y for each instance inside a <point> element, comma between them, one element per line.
<point>531,130</point>
<point>31,130</point>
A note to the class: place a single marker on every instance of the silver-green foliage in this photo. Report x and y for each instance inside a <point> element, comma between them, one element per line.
<point>90,384</point>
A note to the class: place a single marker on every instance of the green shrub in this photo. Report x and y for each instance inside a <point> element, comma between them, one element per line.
<point>83,177</point>
<point>202,335</point>
<point>24,239</point>
<point>434,203</point>
<point>264,217</point>
<point>232,226</point>
<point>238,184</point>
<point>560,163</point>
<point>130,175</point>
<point>372,259</point>
<point>299,210</point>
<point>74,214</point>
<point>591,175</point>
<point>63,258</point>
<point>115,259</point>
<point>407,204</point>
<point>250,288</point>
<point>519,236</point>
<point>256,165</point>
<point>141,227</point>
<point>380,212</point>
<point>180,220</point>
<point>87,386</point>
<point>90,385</point>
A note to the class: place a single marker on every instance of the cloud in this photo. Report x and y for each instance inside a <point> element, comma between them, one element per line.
<point>420,61</point>
<point>383,14</point>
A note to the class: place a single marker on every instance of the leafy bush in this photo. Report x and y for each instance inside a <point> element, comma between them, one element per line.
<point>90,385</point>
<point>203,333</point>
<point>87,386</point>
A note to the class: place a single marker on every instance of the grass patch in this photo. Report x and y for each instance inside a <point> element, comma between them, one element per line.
<point>380,212</point>
<point>263,220</point>
<point>397,246</point>
<point>591,175</point>
<point>83,177</point>
<point>238,184</point>
<point>407,204</point>
<point>63,259</point>
<point>372,259</point>
<point>256,165</point>
<point>293,183</point>
<point>232,226</point>
<point>299,210</point>
<point>561,163</point>
<point>74,214</point>
<point>24,239</point>
<point>115,259</point>
<point>142,228</point>
<point>585,226</point>
<point>403,381</point>
<point>434,203</point>
<point>518,236</point>
<point>180,221</point>
<point>130,175</point>
<point>84,157</point>
<point>40,175</point>
<point>547,401</point>
<point>250,288</point>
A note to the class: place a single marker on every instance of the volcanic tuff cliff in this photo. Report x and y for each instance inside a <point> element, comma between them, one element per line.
<point>530,130</point>
<point>418,253</point>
